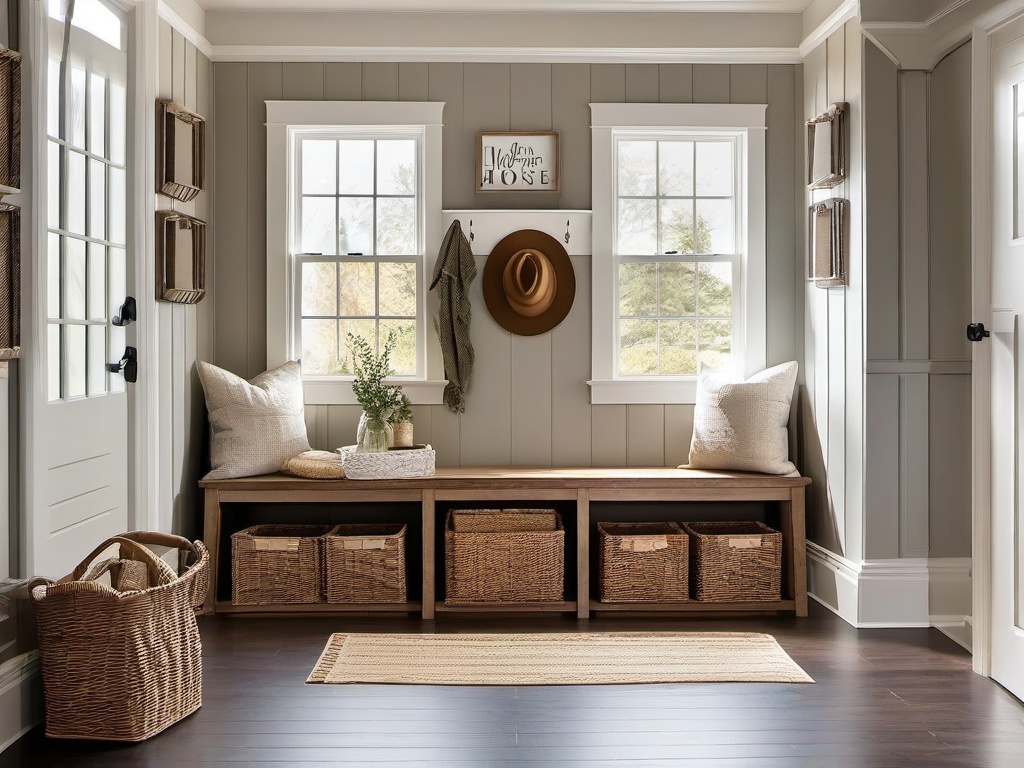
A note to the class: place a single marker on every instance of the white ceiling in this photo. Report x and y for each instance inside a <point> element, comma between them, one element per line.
<point>756,6</point>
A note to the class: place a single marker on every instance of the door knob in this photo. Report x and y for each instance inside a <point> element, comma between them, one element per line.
<point>977,332</point>
<point>127,365</point>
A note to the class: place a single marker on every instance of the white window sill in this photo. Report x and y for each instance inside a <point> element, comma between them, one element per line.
<point>633,391</point>
<point>336,391</point>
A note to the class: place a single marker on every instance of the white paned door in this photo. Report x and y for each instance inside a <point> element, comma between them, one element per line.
<point>1007,356</point>
<point>80,461</point>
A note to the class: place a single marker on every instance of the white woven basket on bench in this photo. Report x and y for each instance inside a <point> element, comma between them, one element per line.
<point>415,462</point>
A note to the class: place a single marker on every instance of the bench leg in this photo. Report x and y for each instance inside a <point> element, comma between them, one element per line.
<point>211,537</point>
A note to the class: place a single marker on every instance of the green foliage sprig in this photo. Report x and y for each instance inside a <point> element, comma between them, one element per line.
<point>404,411</point>
<point>380,401</point>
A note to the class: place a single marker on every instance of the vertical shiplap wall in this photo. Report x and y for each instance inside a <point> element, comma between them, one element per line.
<point>186,331</point>
<point>529,401</point>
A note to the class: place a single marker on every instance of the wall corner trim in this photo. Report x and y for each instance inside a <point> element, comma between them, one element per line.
<point>187,31</point>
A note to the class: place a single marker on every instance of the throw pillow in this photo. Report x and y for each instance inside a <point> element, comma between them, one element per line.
<point>742,425</point>
<point>318,465</point>
<point>254,425</point>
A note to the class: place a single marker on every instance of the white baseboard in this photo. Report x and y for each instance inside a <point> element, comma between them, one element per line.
<point>903,592</point>
<point>21,697</point>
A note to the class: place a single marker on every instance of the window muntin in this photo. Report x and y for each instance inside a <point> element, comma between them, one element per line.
<point>357,200</point>
<point>678,228</point>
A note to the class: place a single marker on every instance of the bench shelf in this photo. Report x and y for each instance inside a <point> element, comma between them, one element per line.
<point>583,496</point>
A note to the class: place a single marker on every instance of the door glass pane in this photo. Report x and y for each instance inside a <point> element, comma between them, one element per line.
<point>97,357</point>
<point>76,108</point>
<point>118,206</point>
<point>97,199</point>
<point>53,184</point>
<point>74,279</point>
<point>97,282</point>
<point>53,276</point>
<point>118,339</point>
<point>97,114</point>
<point>75,191</point>
<point>74,360</point>
<point>53,98</point>
<point>53,366</point>
<point>117,146</point>
<point>118,280</point>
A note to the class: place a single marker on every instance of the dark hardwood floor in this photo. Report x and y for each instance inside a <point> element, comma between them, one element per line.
<point>883,699</point>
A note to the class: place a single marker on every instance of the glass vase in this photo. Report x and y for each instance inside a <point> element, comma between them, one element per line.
<point>374,435</point>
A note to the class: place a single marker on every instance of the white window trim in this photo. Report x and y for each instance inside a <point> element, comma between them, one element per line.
<point>745,119</point>
<point>283,119</point>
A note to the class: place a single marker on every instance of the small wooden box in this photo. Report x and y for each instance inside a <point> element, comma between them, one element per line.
<point>181,257</point>
<point>182,171</point>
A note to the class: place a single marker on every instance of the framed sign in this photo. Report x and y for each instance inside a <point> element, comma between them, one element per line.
<point>517,161</point>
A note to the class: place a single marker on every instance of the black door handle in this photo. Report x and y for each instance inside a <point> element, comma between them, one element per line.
<point>977,332</point>
<point>127,312</point>
<point>127,365</point>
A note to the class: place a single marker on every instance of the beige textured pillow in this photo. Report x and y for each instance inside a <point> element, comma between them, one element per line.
<point>742,425</point>
<point>318,465</point>
<point>254,426</point>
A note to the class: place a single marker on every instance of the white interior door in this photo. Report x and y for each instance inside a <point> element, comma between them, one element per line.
<point>80,461</point>
<point>1007,356</point>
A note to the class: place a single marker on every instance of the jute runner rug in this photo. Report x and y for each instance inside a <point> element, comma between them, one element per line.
<point>556,659</point>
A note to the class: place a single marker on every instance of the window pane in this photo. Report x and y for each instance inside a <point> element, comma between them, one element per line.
<point>117,210</point>
<point>97,282</point>
<point>638,347</point>
<point>53,185</point>
<point>320,347</point>
<point>638,226</point>
<point>53,276</point>
<point>355,167</point>
<point>366,329</point>
<point>319,167</point>
<point>396,226</point>
<point>398,288</point>
<point>715,343</point>
<point>396,167</point>
<point>118,124</point>
<point>53,98</point>
<point>716,289</point>
<point>356,289</point>
<point>74,279</point>
<point>76,108</point>
<point>319,288</point>
<point>677,289</point>
<point>716,227</point>
<point>678,348</point>
<point>714,168</point>
<point>403,356</point>
<point>74,359</point>
<point>638,168</point>
<point>97,200</point>
<point>355,225</point>
<point>75,190</point>
<point>638,290</point>
<point>53,366</point>
<point>97,357</point>
<point>97,114</point>
<point>677,226</point>
<point>675,168</point>
<point>98,20</point>
<point>318,225</point>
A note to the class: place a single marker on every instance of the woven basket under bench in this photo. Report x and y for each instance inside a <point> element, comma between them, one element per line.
<point>735,562</point>
<point>365,563</point>
<point>644,563</point>
<point>510,556</point>
<point>277,564</point>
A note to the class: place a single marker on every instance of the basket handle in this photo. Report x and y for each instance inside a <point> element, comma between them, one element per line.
<point>160,539</point>
<point>163,572</point>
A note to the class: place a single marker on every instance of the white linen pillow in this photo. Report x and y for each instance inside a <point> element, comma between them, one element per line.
<point>742,425</point>
<point>254,426</point>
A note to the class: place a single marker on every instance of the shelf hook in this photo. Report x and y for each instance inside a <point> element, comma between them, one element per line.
<point>567,231</point>
<point>471,235</point>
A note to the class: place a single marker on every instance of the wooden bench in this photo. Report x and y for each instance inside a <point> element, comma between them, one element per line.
<point>583,495</point>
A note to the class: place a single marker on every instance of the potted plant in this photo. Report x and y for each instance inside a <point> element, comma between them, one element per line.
<point>380,401</point>
<point>401,423</point>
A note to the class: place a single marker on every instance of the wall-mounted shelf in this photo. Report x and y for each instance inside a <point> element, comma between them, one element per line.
<point>489,226</point>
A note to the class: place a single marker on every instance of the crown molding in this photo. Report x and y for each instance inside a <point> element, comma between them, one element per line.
<point>848,10</point>
<point>187,31</point>
<point>510,55</point>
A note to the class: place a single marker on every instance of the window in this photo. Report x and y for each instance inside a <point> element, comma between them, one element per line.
<point>87,204</point>
<point>357,185</point>
<point>678,247</point>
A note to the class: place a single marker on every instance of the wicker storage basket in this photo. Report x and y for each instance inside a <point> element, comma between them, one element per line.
<point>122,665</point>
<point>735,562</point>
<point>389,465</point>
<point>274,564</point>
<point>499,557</point>
<point>366,564</point>
<point>644,563</point>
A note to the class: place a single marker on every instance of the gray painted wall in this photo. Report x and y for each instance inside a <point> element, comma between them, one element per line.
<point>529,403</point>
<point>186,332</point>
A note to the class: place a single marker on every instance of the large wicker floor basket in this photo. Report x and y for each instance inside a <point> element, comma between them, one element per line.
<point>735,562</point>
<point>366,563</point>
<point>500,557</point>
<point>644,563</point>
<point>122,662</point>
<point>277,564</point>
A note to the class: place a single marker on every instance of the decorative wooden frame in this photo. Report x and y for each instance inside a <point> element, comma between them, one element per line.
<point>10,281</point>
<point>827,242</point>
<point>181,258</point>
<point>539,171</point>
<point>182,151</point>
<point>826,147</point>
<point>10,121</point>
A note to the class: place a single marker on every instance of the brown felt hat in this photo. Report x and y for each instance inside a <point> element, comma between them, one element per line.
<point>529,284</point>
